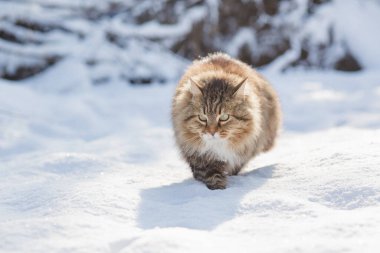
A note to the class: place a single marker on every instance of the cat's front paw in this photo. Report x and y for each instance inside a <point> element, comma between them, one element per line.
<point>216,182</point>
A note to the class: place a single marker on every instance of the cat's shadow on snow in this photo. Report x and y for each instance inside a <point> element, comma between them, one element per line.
<point>190,204</point>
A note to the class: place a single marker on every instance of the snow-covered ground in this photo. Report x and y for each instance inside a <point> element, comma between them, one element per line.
<point>95,169</point>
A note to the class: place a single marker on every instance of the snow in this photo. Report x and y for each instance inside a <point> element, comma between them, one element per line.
<point>242,37</point>
<point>336,27</point>
<point>95,169</point>
<point>153,29</point>
<point>365,47</point>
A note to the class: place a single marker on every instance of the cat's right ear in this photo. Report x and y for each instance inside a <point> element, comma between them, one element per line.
<point>195,88</point>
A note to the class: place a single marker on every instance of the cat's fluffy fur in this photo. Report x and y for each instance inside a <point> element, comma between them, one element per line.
<point>214,88</point>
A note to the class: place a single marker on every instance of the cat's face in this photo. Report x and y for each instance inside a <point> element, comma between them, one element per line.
<point>220,112</point>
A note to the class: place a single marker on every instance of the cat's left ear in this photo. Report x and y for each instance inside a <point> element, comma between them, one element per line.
<point>240,89</point>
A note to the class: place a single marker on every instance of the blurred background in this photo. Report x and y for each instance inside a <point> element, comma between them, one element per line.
<point>146,41</point>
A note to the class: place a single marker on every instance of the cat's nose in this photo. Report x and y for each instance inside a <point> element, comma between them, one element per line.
<point>212,131</point>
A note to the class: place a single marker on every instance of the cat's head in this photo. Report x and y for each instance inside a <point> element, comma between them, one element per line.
<point>220,110</point>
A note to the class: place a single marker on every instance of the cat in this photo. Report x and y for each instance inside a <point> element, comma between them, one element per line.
<point>223,113</point>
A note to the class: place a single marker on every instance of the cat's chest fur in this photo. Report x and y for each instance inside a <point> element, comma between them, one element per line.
<point>219,149</point>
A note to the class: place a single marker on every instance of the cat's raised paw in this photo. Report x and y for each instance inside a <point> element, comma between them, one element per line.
<point>217,186</point>
<point>216,182</point>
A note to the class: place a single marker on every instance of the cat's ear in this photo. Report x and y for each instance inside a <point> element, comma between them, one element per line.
<point>240,89</point>
<point>195,88</point>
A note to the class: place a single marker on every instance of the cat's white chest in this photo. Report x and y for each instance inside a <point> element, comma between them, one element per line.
<point>219,148</point>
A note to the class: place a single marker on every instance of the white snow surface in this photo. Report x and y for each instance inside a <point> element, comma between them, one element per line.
<point>95,169</point>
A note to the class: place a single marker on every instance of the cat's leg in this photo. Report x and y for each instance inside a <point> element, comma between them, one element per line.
<point>235,170</point>
<point>214,178</point>
<point>211,173</point>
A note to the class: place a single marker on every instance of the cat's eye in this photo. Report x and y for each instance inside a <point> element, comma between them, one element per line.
<point>224,117</point>
<point>202,117</point>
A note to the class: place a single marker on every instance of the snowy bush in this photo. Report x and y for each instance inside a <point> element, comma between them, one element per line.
<point>113,38</point>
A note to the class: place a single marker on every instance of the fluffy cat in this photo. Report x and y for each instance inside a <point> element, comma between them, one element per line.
<point>224,113</point>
